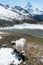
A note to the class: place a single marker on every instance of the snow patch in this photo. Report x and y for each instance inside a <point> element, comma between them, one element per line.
<point>6,57</point>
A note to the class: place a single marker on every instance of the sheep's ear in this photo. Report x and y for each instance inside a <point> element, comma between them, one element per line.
<point>13,43</point>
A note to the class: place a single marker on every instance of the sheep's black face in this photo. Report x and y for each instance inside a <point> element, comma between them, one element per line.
<point>13,44</point>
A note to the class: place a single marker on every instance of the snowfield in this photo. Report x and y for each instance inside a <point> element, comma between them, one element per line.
<point>6,57</point>
<point>12,13</point>
<point>7,14</point>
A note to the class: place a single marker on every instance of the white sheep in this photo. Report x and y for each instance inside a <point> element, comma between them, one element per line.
<point>20,44</point>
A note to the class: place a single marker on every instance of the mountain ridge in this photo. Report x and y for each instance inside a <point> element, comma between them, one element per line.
<point>10,15</point>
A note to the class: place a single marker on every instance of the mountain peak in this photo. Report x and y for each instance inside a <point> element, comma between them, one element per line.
<point>32,9</point>
<point>29,5</point>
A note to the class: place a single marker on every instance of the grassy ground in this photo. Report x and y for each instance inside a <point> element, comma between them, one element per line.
<point>33,48</point>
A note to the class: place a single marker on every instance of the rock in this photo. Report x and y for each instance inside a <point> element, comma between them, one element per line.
<point>4,45</point>
<point>41,59</point>
<point>24,63</point>
<point>19,55</point>
<point>0,37</point>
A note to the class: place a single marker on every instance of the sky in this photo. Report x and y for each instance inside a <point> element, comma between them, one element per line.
<point>35,3</point>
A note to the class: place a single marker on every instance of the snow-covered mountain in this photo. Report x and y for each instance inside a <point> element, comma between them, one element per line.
<point>29,7</point>
<point>11,15</point>
<point>8,12</point>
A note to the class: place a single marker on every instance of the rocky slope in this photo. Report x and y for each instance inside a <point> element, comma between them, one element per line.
<point>11,15</point>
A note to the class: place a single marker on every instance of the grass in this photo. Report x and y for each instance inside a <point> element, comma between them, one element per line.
<point>7,38</point>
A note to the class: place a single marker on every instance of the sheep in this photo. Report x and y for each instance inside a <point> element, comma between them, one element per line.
<point>19,50</point>
<point>19,44</point>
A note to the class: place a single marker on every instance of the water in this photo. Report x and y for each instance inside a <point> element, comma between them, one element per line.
<point>34,32</point>
<point>32,29</point>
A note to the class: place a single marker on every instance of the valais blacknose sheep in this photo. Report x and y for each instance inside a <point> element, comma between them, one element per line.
<point>19,44</point>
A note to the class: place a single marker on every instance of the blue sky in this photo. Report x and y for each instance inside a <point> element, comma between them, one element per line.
<point>35,3</point>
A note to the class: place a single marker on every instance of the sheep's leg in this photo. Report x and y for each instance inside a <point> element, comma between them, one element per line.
<point>22,50</point>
